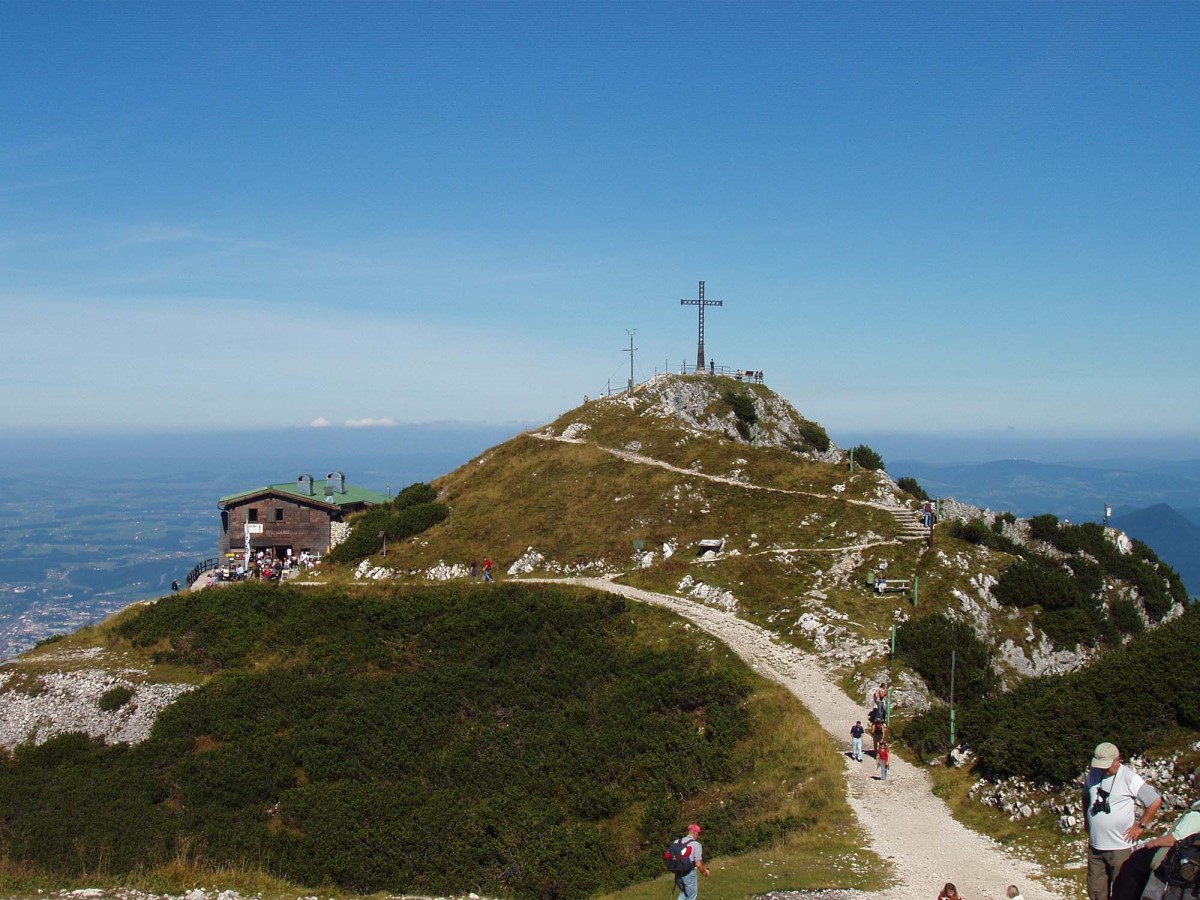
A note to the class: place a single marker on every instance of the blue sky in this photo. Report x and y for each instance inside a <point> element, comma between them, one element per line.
<point>935,218</point>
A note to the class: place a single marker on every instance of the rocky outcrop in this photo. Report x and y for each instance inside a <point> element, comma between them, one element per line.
<point>1020,798</point>
<point>35,709</point>
<point>691,402</point>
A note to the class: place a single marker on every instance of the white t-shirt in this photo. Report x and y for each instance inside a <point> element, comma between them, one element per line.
<point>1106,830</point>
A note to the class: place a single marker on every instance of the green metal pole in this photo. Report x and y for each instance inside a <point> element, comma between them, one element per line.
<point>916,589</point>
<point>953,665</point>
<point>893,640</point>
<point>889,707</point>
<point>851,459</point>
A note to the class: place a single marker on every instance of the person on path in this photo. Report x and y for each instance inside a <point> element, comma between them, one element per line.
<point>175,586</point>
<point>882,757</point>
<point>878,732</point>
<point>880,698</point>
<point>487,569</point>
<point>1110,791</point>
<point>474,570</point>
<point>688,884</point>
<point>949,892</point>
<point>1014,893</point>
<point>856,734</point>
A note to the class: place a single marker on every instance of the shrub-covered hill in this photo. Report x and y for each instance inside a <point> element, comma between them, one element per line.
<point>629,487</point>
<point>436,740</point>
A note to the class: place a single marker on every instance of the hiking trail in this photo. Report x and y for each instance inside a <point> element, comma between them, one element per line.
<point>906,823</point>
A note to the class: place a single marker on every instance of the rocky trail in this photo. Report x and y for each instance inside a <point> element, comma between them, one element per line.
<point>907,824</point>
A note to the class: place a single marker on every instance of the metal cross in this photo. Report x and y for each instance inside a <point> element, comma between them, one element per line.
<point>701,303</point>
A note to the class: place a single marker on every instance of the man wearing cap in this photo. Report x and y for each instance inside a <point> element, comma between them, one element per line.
<point>1109,793</point>
<point>688,884</point>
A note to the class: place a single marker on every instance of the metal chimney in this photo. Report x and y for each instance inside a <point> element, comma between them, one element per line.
<point>335,482</point>
<point>305,485</point>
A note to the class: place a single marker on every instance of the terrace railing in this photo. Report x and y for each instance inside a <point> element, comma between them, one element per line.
<point>201,568</point>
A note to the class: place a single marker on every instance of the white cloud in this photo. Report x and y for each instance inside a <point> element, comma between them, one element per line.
<point>370,423</point>
<point>319,422</point>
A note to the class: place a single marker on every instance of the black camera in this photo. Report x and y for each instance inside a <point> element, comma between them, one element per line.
<point>1100,803</point>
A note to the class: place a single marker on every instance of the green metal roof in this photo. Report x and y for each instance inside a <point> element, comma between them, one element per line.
<point>351,496</point>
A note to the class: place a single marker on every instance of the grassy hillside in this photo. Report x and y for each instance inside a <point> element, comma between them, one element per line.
<point>431,741</point>
<point>629,486</point>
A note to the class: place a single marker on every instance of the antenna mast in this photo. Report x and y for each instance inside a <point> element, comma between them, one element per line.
<point>630,352</point>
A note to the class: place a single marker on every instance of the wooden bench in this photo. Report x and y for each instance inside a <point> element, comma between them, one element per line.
<point>893,586</point>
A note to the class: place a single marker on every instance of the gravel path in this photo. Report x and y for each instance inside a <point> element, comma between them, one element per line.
<point>906,822</point>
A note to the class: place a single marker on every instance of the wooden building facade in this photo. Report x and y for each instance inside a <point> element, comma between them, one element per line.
<point>291,518</point>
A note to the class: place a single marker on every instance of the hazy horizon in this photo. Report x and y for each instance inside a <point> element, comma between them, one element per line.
<point>327,445</point>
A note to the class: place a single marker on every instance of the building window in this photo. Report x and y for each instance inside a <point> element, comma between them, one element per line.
<point>252,515</point>
<point>278,514</point>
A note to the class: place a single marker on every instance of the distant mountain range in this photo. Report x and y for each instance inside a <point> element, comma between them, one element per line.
<point>1175,539</point>
<point>1155,501</point>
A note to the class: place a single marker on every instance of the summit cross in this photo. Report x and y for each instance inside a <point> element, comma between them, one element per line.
<point>701,303</point>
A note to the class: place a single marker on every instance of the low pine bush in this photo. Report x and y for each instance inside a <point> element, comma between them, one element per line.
<point>926,644</point>
<point>912,486</point>
<point>413,511</point>
<point>742,404</point>
<point>815,436</point>
<point>1133,695</point>
<point>868,458</point>
<point>114,698</point>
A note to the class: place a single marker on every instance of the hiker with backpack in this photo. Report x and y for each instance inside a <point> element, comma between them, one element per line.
<point>684,858</point>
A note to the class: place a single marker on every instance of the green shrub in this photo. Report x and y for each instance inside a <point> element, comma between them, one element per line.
<point>114,698</point>
<point>1072,626</point>
<point>816,436</point>
<point>926,644</point>
<point>742,404</point>
<point>1132,695</point>
<point>928,734</point>
<point>1030,582</point>
<point>401,521</point>
<point>415,495</point>
<point>1125,617</point>
<point>911,486</point>
<point>1044,527</point>
<point>974,531</point>
<point>868,458</point>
